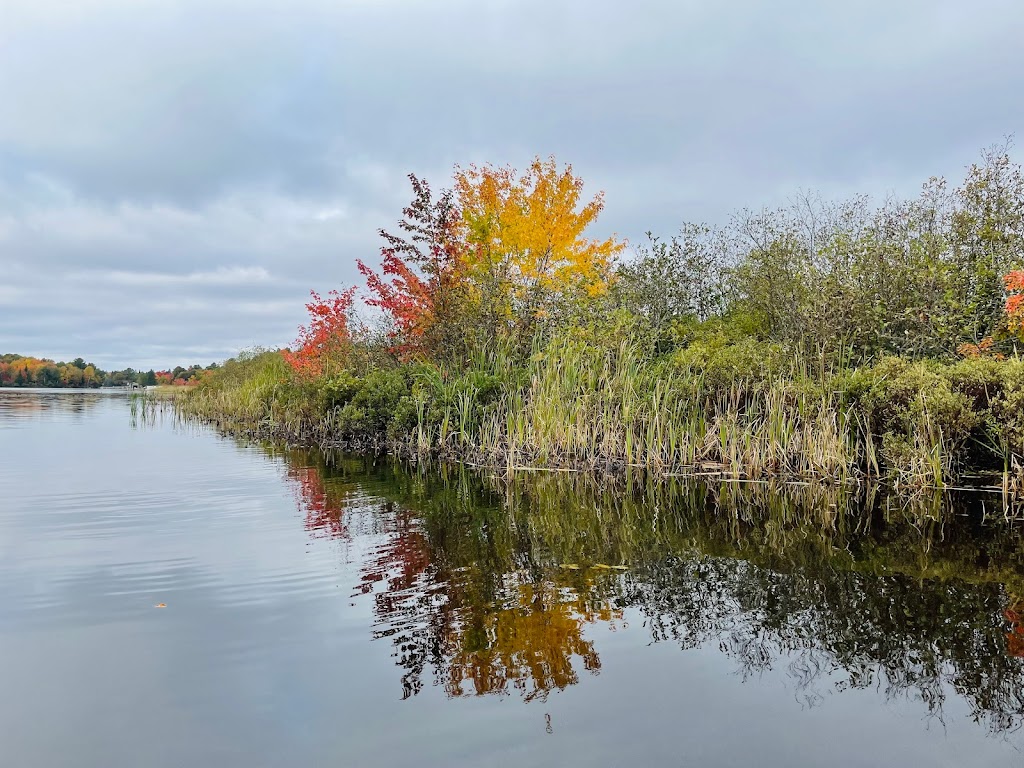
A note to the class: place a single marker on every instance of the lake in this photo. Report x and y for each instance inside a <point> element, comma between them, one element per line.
<point>174,597</point>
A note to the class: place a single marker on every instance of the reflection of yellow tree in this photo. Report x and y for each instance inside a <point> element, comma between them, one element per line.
<point>482,632</point>
<point>528,644</point>
<point>467,587</point>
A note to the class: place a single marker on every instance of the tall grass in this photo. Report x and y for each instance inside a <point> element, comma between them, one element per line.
<point>599,408</point>
<point>577,405</point>
<point>257,394</point>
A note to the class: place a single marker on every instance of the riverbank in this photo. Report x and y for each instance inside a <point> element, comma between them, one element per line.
<point>826,342</point>
<point>728,412</point>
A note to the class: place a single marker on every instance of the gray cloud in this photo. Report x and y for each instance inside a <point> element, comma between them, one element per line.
<point>176,175</point>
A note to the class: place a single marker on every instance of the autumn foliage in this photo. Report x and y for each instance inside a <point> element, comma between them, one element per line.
<point>326,342</point>
<point>528,231</point>
<point>1015,299</point>
<point>983,349</point>
<point>421,272</point>
<point>17,371</point>
<point>528,254</point>
<point>509,331</point>
<point>169,379</point>
<point>22,371</point>
<point>488,260</point>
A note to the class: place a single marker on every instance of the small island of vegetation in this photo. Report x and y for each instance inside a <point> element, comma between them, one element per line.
<point>832,341</point>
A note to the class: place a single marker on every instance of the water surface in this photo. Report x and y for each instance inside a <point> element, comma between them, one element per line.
<point>331,610</point>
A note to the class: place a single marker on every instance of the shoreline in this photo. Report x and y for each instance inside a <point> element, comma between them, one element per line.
<point>609,470</point>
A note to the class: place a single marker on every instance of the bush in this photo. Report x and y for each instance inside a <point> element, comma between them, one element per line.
<point>724,362</point>
<point>362,409</point>
<point>971,410</point>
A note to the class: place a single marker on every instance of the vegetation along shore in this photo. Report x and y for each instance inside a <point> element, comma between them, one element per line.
<point>828,341</point>
<point>22,371</point>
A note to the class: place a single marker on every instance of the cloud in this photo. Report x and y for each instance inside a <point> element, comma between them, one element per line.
<point>222,276</point>
<point>162,153</point>
<point>9,295</point>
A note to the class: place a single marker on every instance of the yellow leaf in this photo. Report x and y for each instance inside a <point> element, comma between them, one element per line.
<point>527,239</point>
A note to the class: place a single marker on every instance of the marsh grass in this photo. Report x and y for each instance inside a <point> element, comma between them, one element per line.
<point>611,407</point>
<point>601,409</point>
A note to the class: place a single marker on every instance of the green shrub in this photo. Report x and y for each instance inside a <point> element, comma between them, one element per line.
<point>723,362</point>
<point>372,404</point>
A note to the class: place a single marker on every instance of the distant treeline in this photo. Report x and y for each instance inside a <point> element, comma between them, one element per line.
<point>21,371</point>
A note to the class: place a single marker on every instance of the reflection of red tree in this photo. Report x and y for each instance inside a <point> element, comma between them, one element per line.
<point>1015,637</point>
<point>482,632</point>
<point>402,559</point>
<point>323,513</point>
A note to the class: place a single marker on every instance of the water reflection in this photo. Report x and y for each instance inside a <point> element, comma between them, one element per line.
<point>24,404</point>
<point>486,585</point>
<point>1015,637</point>
<point>457,605</point>
<point>323,511</point>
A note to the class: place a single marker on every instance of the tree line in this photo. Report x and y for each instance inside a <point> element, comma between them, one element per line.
<point>24,371</point>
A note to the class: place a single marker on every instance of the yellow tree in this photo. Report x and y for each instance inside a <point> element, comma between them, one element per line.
<point>527,249</point>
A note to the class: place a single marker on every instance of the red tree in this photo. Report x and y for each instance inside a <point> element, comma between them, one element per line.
<point>420,272</point>
<point>326,341</point>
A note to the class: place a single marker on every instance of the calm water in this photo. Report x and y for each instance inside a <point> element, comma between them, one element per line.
<point>334,611</point>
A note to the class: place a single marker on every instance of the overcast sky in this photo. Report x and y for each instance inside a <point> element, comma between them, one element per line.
<point>176,175</point>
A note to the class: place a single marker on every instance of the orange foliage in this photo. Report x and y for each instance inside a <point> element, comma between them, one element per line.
<point>983,348</point>
<point>1015,299</point>
<point>528,234</point>
<point>326,340</point>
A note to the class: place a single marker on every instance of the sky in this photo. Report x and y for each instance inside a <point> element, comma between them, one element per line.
<point>177,175</point>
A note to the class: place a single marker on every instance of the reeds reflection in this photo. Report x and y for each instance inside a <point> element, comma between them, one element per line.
<point>498,585</point>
